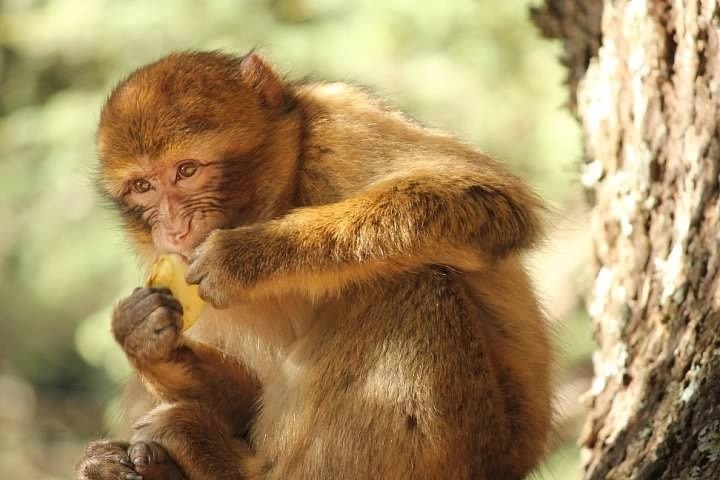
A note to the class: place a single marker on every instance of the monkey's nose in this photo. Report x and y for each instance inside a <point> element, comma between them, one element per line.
<point>179,231</point>
<point>179,236</point>
<point>181,244</point>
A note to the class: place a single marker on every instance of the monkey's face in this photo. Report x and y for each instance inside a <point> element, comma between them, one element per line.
<point>181,143</point>
<point>180,202</point>
<point>172,200</point>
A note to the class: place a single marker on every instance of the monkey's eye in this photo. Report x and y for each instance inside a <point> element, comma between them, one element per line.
<point>141,185</point>
<point>185,170</point>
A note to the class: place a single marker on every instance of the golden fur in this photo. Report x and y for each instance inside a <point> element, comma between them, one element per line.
<point>377,309</point>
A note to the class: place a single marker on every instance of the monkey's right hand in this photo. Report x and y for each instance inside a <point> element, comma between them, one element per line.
<point>148,325</point>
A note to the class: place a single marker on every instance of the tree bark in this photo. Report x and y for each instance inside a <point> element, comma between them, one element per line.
<point>648,99</point>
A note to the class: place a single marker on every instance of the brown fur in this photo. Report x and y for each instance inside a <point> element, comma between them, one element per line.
<point>374,287</point>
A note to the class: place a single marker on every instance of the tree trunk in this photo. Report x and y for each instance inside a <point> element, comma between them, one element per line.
<point>645,85</point>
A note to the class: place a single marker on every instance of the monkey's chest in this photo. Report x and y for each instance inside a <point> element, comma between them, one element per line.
<point>258,334</point>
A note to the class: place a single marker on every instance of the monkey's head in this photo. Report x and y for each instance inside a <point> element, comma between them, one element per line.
<point>194,142</point>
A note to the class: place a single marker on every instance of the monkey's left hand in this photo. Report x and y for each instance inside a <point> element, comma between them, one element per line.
<point>230,265</point>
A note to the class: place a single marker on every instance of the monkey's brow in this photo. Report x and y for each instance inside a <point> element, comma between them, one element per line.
<point>197,125</point>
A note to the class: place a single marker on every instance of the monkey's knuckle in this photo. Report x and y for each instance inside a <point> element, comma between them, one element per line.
<point>126,304</point>
<point>123,318</point>
<point>140,449</point>
<point>119,327</point>
<point>151,348</point>
<point>127,315</point>
<point>88,469</point>
<point>196,271</point>
<point>144,333</point>
<point>163,317</point>
<point>151,451</point>
<point>103,460</point>
<point>100,471</point>
<point>160,312</point>
<point>159,454</point>
<point>133,347</point>
<point>165,342</point>
<point>139,292</point>
<point>91,469</point>
<point>157,301</point>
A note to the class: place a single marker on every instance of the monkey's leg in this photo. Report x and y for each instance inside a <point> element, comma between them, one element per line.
<point>197,438</point>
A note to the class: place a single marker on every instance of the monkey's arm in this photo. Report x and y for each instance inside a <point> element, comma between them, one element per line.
<point>464,220</point>
<point>197,371</point>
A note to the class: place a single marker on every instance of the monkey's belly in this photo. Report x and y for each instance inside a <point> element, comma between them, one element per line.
<point>402,384</point>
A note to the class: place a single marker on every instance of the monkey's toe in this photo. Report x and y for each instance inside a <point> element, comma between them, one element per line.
<point>107,460</point>
<point>153,462</point>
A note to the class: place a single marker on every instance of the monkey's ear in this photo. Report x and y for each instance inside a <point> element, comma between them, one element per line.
<point>263,79</point>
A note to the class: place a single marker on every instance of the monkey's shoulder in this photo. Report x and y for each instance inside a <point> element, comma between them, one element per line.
<point>343,97</point>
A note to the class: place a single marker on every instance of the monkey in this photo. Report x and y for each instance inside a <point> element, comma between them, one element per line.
<point>368,311</point>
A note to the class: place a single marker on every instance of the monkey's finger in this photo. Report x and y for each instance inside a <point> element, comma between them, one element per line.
<point>129,317</point>
<point>164,290</point>
<point>131,313</point>
<point>153,462</point>
<point>157,300</point>
<point>196,272</point>
<point>194,255</point>
<point>139,293</point>
<point>199,251</point>
<point>144,454</point>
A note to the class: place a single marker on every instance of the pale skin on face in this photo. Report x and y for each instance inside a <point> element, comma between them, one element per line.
<point>178,201</point>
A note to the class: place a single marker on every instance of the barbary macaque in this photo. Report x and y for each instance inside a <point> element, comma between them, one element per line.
<point>368,313</point>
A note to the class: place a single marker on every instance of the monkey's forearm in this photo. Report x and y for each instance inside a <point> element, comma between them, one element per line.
<point>465,221</point>
<point>196,371</point>
<point>414,215</point>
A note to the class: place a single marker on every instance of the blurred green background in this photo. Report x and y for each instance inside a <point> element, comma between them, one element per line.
<point>477,68</point>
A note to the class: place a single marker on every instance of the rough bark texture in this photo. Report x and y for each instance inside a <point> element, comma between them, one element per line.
<point>649,103</point>
<point>577,24</point>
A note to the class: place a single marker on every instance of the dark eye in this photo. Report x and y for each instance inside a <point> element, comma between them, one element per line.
<point>187,169</point>
<point>141,185</point>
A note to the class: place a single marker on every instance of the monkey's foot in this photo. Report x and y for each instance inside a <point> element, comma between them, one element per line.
<point>107,460</point>
<point>152,462</point>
